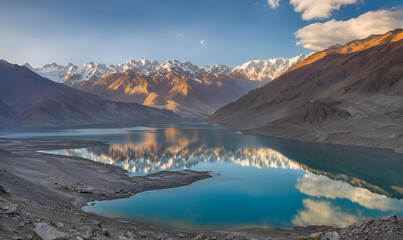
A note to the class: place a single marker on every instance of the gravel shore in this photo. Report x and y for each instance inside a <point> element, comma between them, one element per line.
<point>41,197</point>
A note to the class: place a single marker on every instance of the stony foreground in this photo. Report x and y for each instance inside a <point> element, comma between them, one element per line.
<point>41,196</point>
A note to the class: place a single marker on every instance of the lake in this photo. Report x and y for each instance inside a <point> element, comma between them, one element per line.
<point>257,181</point>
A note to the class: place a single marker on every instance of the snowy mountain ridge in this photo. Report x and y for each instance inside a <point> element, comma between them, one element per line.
<point>257,70</point>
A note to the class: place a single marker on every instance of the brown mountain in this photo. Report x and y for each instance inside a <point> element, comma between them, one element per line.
<point>184,89</point>
<point>351,94</point>
<point>30,99</point>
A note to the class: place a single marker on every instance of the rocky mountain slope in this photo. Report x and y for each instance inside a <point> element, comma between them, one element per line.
<point>7,116</point>
<point>29,99</point>
<point>181,87</point>
<point>350,94</point>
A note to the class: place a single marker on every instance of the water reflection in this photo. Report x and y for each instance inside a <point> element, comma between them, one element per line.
<point>136,159</point>
<point>175,148</point>
<point>323,212</point>
<point>323,206</point>
<point>270,182</point>
<point>378,170</point>
<point>321,186</point>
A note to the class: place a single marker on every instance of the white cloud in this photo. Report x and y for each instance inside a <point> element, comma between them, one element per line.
<point>202,42</point>
<point>318,8</point>
<point>318,36</point>
<point>273,3</point>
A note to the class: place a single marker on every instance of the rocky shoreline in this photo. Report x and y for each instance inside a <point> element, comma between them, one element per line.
<point>314,134</point>
<point>42,195</point>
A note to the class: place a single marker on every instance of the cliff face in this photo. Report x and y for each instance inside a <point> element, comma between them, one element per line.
<point>350,94</point>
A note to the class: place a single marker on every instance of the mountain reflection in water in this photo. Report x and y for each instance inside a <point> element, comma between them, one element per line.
<point>175,148</point>
<point>325,184</point>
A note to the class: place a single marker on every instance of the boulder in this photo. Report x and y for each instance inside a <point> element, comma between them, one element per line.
<point>60,225</point>
<point>316,236</point>
<point>160,236</point>
<point>389,217</point>
<point>46,232</point>
<point>332,236</point>
<point>86,189</point>
<point>4,191</point>
<point>200,236</point>
<point>366,223</point>
<point>4,206</point>
<point>106,232</point>
<point>12,210</point>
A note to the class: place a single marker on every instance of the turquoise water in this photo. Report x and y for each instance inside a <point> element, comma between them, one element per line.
<point>258,181</point>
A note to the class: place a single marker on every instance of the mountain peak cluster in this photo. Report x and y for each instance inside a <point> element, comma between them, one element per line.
<point>257,70</point>
<point>182,87</point>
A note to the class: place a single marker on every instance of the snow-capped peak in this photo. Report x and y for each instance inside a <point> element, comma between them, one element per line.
<point>217,69</point>
<point>266,69</point>
<point>143,66</point>
<point>253,70</point>
<point>51,65</point>
<point>178,65</point>
<point>144,61</point>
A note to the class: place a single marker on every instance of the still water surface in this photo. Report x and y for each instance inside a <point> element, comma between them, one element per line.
<point>258,181</point>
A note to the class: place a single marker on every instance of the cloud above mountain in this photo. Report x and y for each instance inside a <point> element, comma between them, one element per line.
<point>318,9</point>
<point>318,36</point>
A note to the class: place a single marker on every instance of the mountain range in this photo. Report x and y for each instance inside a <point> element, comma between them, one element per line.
<point>349,94</point>
<point>27,99</point>
<point>252,70</point>
<point>184,88</point>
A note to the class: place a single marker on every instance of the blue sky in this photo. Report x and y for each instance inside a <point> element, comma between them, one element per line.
<point>112,32</point>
